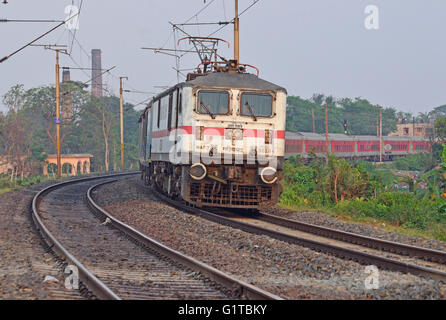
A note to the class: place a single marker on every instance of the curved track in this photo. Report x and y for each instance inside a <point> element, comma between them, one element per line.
<point>112,267</point>
<point>365,250</point>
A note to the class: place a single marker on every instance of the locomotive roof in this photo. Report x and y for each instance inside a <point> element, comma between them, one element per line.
<point>233,80</point>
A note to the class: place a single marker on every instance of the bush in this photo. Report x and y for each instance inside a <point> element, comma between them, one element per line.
<point>397,208</point>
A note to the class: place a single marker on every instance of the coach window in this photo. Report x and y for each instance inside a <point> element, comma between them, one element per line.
<point>257,105</point>
<point>213,102</point>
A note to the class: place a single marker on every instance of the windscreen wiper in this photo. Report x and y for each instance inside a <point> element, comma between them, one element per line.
<point>207,110</point>
<point>251,111</point>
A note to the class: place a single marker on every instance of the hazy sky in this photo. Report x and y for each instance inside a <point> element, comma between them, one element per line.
<point>307,46</point>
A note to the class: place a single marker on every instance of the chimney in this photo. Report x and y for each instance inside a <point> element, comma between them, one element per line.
<point>67,105</point>
<point>96,86</point>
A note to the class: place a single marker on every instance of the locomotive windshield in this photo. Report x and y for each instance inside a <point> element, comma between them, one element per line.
<point>213,103</point>
<point>257,105</point>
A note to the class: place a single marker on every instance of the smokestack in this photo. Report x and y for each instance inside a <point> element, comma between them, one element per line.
<point>96,65</point>
<point>67,105</point>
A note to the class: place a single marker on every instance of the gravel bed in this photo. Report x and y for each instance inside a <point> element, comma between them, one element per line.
<point>322,219</point>
<point>24,263</point>
<point>290,271</point>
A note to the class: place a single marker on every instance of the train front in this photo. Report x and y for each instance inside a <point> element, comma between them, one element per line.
<point>234,155</point>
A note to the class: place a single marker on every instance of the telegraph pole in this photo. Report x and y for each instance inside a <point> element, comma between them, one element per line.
<point>380,134</point>
<point>326,129</point>
<point>314,125</point>
<point>58,49</point>
<point>236,35</point>
<point>59,167</point>
<point>122,120</point>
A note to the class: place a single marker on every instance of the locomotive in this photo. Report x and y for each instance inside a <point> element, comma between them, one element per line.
<point>216,140</point>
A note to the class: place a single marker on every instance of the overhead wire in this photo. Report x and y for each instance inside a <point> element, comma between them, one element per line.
<point>35,40</point>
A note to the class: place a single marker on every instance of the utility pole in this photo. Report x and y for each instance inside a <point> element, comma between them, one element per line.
<point>314,125</point>
<point>326,129</point>
<point>413,127</point>
<point>236,35</point>
<point>58,49</point>
<point>59,166</point>
<point>121,90</point>
<point>380,134</point>
<point>377,125</point>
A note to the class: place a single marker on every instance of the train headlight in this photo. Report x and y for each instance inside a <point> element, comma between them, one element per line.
<point>269,175</point>
<point>198,171</point>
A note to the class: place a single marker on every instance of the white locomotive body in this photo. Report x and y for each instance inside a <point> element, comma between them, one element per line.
<point>217,140</point>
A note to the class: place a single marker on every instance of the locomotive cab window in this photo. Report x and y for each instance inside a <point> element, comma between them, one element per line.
<point>256,105</point>
<point>213,103</point>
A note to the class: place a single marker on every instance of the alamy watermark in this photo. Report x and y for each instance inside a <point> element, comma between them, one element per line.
<point>72,280</point>
<point>72,20</point>
<point>372,281</point>
<point>371,21</point>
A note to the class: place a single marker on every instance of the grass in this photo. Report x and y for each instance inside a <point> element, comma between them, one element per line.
<point>434,232</point>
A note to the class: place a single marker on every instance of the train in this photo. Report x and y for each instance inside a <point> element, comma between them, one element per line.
<point>216,140</point>
<point>308,145</point>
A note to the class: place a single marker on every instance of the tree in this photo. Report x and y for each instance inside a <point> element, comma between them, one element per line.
<point>360,115</point>
<point>440,129</point>
<point>15,136</point>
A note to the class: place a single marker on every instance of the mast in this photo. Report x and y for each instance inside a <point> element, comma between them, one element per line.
<point>236,35</point>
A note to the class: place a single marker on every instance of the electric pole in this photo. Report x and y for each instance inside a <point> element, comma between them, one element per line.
<point>312,116</point>
<point>58,49</point>
<point>380,135</point>
<point>413,127</point>
<point>59,167</point>
<point>236,35</point>
<point>326,129</point>
<point>122,120</point>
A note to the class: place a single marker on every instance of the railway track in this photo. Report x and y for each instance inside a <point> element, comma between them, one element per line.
<point>369,251</point>
<point>117,262</point>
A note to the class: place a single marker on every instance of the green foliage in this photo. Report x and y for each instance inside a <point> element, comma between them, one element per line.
<point>397,208</point>
<point>417,162</point>
<point>440,128</point>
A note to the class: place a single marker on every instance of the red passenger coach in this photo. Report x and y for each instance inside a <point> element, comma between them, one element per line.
<point>353,147</point>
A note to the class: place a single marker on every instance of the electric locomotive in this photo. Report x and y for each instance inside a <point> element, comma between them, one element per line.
<point>216,140</point>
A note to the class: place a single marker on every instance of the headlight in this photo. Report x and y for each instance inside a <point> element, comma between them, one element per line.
<point>198,171</point>
<point>269,175</point>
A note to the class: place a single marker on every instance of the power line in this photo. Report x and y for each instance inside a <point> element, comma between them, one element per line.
<point>224,26</point>
<point>200,11</point>
<point>35,40</point>
<point>218,30</point>
<point>30,20</point>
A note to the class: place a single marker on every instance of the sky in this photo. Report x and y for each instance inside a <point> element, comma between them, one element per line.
<point>306,46</point>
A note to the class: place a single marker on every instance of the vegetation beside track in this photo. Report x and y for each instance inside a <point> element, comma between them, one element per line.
<point>410,203</point>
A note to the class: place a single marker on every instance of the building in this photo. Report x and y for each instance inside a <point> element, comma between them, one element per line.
<point>425,130</point>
